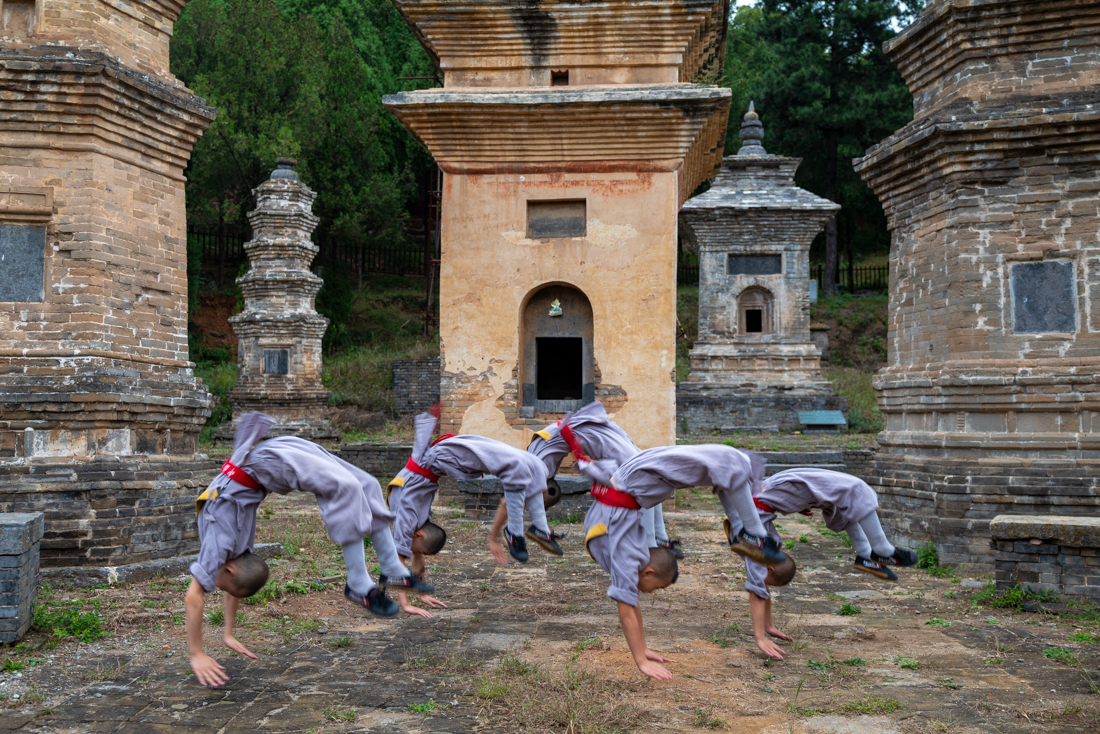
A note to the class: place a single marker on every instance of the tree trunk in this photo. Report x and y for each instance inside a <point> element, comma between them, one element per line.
<point>832,152</point>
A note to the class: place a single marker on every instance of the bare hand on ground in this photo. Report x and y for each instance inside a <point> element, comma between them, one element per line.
<point>498,552</point>
<point>653,670</point>
<point>208,671</point>
<point>410,609</point>
<point>650,655</point>
<point>431,601</point>
<point>770,649</point>
<point>235,646</point>
<point>774,632</point>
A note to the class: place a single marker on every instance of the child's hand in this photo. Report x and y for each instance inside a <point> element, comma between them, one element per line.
<point>207,670</point>
<point>431,601</point>
<point>232,643</point>
<point>650,655</point>
<point>410,609</point>
<point>774,632</point>
<point>653,670</point>
<point>769,648</point>
<point>498,552</point>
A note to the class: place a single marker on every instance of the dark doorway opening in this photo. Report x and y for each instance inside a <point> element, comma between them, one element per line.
<point>754,321</point>
<point>559,368</point>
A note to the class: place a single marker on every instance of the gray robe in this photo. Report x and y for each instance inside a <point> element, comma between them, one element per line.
<point>459,457</point>
<point>350,500</point>
<point>598,436</point>
<point>654,475</point>
<point>620,548</point>
<point>842,498</point>
<point>756,573</point>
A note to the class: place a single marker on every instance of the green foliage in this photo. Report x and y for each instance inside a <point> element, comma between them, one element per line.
<point>848,610</point>
<point>938,622</point>
<point>704,720</point>
<point>727,637</point>
<point>422,708</point>
<point>1062,655</point>
<point>927,556</point>
<point>69,621</point>
<point>216,617</point>
<point>219,378</point>
<point>841,536</point>
<point>1088,637</point>
<point>813,665</point>
<point>1013,598</point>
<point>907,663</point>
<point>11,665</point>
<point>858,329</point>
<point>872,706</point>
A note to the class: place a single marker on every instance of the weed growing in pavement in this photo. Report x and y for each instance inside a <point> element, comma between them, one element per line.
<point>454,661</point>
<point>11,665</point>
<point>814,665</point>
<point>422,708</point>
<point>872,706</point>
<point>993,661</point>
<point>907,662</point>
<point>337,714</point>
<point>939,622</point>
<point>855,661</point>
<point>1088,637</point>
<point>842,537</point>
<point>803,539</point>
<point>536,699</point>
<point>789,545</point>
<point>69,621</point>
<point>848,610</point>
<point>704,720</point>
<point>216,617</point>
<point>727,637</point>
<point>340,642</point>
<point>591,642</point>
<point>948,683</point>
<point>1062,655</point>
<point>1013,598</point>
<point>572,518</point>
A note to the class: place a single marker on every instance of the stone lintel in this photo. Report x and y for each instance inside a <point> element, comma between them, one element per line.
<point>1080,532</point>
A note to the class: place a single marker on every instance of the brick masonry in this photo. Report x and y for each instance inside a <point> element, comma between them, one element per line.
<point>1048,554</point>
<point>20,536</point>
<point>415,384</point>
<point>99,405</point>
<point>990,393</point>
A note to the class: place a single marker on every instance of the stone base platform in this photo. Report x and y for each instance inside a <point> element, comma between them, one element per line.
<point>1059,554</point>
<point>109,510</point>
<point>705,409</point>
<point>85,576</point>
<point>482,497</point>
<point>951,501</point>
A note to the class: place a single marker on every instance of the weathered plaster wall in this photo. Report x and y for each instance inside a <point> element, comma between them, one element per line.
<point>626,266</point>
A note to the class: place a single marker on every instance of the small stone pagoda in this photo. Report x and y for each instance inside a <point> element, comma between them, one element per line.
<point>754,366</point>
<point>569,135</point>
<point>991,392</point>
<point>279,332</point>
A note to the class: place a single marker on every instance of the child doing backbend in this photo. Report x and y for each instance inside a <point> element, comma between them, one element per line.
<point>352,508</point>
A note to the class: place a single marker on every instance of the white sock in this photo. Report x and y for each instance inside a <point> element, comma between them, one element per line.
<point>355,559</point>
<point>875,535</point>
<point>537,510</point>
<point>739,500</point>
<point>648,526</point>
<point>660,534</point>
<point>513,501</point>
<point>388,560</point>
<point>860,544</point>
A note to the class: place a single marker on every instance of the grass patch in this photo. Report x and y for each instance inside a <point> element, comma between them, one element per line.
<point>1062,655</point>
<point>864,415</point>
<point>69,621</point>
<point>906,662</point>
<point>841,536</point>
<point>937,622</point>
<point>949,683</point>
<point>1013,598</point>
<point>726,637</point>
<point>454,661</point>
<point>848,610</point>
<point>1088,637</point>
<point>422,708</point>
<point>216,617</point>
<point>341,642</point>
<point>872,706</point>
<point>534,699</point>
<point>704,720</point>
<point>338,714</point>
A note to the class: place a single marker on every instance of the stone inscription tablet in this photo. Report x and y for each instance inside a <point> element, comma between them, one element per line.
<point>756,265</point>
<point>552,219</point>
<point>22,262</point>
<point>1043,297</point>
<point>276,361</point>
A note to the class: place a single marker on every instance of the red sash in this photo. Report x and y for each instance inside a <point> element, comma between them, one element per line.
<point>573,443</point>
<point>766,508</point>
<point>443,437</point>
<point>417,469</point>
<point>614,497</point>
<point>239,475</point>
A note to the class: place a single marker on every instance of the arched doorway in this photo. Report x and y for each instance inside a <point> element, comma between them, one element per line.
<point>557,368</point>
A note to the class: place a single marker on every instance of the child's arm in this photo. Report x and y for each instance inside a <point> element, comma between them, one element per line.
<point>499,521</point>
<point>228,638</point>
<point>403,602</point>
<point>762,626</point>
<point>206,668</point>
<point>631,620</point>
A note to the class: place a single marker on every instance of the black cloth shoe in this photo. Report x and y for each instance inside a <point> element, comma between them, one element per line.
<point>762,550</point>
<point>375,600</point>
<point>412,581</point>
<point>901,557</point>
<point>548,541</point>
<point>672,545</point>
<point>517,546</point>
<point>874,568</point>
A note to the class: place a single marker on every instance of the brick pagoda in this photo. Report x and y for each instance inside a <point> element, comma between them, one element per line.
<point>754,366</point>
<point>992,193</point>
<point>569,135</point>
<point>279,332</point>
<point>99,405</point>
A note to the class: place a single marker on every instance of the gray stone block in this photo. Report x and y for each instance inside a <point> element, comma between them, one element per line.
<point>19,531</point>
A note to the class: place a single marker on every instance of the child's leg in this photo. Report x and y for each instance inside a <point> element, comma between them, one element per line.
<point>738,501</point>
<point>659,532</point>
<point>648,525</point>
<point>860,544</point>
<point>537,510</point>
<point>388,560</point>
<point>359,581</point>
<point>513,501</point>
<point>875,535</point>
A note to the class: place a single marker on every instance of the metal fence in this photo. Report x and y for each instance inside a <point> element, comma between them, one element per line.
<point>849,279</point>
